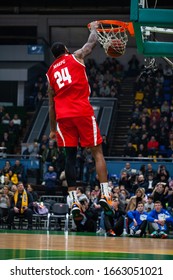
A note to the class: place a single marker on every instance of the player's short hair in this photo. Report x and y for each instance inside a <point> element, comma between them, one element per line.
<point>57,49</point>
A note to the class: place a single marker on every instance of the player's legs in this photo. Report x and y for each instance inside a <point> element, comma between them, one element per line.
<point>91,137</point>
<point>70,167</point>
<point>101,170</point>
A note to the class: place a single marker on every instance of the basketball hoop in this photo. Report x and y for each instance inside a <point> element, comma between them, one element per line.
<point>112,35</point>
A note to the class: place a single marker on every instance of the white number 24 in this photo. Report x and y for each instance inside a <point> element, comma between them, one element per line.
<point>62,76</point>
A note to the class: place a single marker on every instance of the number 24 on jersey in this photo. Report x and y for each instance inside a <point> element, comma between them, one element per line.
<point>62,76</point>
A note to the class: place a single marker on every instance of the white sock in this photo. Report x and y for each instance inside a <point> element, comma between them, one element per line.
<point>73,196</point>
<point>104,188</point>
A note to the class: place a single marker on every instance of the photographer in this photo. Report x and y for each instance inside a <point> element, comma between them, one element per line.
<point>89,216</point>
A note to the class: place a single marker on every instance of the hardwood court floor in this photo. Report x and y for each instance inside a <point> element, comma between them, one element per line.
<point>42,245</point>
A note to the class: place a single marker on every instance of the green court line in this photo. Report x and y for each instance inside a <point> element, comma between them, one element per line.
<point>20,254</point>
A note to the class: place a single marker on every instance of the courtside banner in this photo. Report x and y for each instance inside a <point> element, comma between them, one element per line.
<point>86,269</point>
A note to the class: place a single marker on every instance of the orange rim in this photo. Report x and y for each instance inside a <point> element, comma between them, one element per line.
<point>121,26</point>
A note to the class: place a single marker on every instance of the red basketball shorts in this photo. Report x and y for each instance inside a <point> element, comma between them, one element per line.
<point>78,130</point>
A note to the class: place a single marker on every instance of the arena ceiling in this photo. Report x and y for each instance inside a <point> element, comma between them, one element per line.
<point>73,6</point>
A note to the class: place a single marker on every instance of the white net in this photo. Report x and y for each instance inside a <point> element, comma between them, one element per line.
<point>116,38</point>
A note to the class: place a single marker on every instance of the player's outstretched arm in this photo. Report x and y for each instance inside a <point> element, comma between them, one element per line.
<point>90,44</point>
<point>52,115</point>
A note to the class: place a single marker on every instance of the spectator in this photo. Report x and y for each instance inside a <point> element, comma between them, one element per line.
<point>133,68</point>
<point>5,196</point>
<point>149,204</point>
<point>50,179</point>
<point>49,155</point>
<point>19,169</point>
<point>169,199</point>
<point>151,182</point>
<point>150,170</point>
<point>135,199</point>
<point>13,177</point>
<point>6,118</point>
<point>21,205</point>
<point>152,146</point>
<point>130,150</point>
<point>137,220</point>
<point>31,190</point>
<point>140,183</point>
<point>158,219</point>
<point>125,180</point>
<point>142,150</point>
<point>6,141</point>
<point>160,193</point>
<point>89,167</point>
<point>16,120</point>
<point>162,171</point>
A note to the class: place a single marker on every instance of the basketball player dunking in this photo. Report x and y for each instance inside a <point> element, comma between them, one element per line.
<point>72,120</point>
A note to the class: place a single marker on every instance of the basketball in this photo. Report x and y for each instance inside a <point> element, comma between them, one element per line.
<point>116,48</point>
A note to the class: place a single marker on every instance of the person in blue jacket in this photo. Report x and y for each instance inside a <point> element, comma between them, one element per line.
<point>50,179</point>
<point>158,219</point>
<point>137,220</point>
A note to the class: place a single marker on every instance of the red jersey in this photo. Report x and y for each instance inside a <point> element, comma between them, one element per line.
<point>67,77</point>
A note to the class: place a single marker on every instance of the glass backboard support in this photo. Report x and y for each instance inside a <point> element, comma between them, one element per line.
<point>150,20</point>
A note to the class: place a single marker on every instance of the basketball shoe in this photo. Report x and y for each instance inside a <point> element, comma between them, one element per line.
<point>106,201</point>
<point>163,235</point>
<point>154,234</point>
<point>111,233</point>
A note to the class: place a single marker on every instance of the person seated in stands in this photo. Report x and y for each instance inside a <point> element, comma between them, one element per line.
<point>49,155</point>
<point>154,130</point>
<point>155,112</point>
<point>133,68</point>
<point>5,198</point>
<point>137,220</point>
<point>130,150</point>
<point>18,168</point>
<point>50,181</point>
<point>152,146</point>
<point>149,204</point>
<point>133,134</point>
<point>3,149</point>
<point>13,177</point>
<point>125,180</point>
<point>6,118</point>
<point>160,193</point>
<point>13,131</point>
<point>7,142</point>
<point>151,182</point>
<point>135,199</point>
<point>150,170</point>
<point>142,150</point>
<point>169,199</point>
<point>31,190</point>
<point>158,220</point>
<point>140,182</point>
<point>16,120</point>
<point>162,171</point>
<point>21,206</point>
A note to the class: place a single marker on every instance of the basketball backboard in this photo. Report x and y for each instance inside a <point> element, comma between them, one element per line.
<point>153,29</point>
